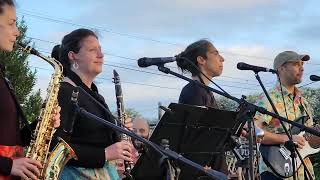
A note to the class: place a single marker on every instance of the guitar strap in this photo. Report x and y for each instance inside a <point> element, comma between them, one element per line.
<point>306,117</point>
<point>305,109</point>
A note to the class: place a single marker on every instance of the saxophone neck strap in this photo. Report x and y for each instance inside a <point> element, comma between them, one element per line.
<point>21,115</point>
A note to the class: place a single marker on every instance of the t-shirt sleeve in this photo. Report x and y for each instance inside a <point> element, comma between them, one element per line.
<point>192,96</point>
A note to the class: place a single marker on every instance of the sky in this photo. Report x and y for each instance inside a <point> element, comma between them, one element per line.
<point>251,31</point>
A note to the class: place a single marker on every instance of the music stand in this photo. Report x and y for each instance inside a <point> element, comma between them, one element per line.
<point>196,132</point>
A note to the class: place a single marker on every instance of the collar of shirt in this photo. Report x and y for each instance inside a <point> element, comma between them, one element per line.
<point>297,92</point>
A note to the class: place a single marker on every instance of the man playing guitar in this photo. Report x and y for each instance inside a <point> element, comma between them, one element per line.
<point>290,103</point>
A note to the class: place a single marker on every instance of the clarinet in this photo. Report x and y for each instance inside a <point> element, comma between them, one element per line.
<point>122,117</point>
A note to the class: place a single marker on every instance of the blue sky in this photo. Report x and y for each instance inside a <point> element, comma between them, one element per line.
<point>253,31</point>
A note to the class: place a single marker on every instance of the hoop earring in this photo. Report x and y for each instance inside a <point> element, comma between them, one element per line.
<point>75,65</point>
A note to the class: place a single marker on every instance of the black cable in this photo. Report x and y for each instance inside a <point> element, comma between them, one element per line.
<point>133,59</point>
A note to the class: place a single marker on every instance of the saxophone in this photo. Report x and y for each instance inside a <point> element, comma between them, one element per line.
<point>53,162</point>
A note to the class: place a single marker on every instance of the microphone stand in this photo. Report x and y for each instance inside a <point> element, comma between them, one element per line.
<point>246,114</point>
<point>290,145</point>
<point>248,117</point>
<point>172,170</point>
<point>257,108</point>
<point>251,107</point>
<point>166,154</point>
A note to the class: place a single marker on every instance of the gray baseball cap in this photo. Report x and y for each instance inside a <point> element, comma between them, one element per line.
<point>288,56</point>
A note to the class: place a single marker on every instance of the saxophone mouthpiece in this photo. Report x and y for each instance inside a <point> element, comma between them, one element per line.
<point>27,49</point>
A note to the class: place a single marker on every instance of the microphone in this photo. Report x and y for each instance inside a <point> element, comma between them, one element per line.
<point>146,62</point>
<point>68,128</point>
<point>245,66</point>
<point>314,78</point>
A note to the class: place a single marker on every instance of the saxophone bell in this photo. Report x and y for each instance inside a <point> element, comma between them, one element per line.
<point>54,161</point>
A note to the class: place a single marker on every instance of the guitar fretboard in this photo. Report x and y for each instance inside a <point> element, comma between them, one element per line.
<point>308,136</point>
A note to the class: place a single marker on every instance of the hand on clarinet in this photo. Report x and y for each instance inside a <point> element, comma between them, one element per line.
<point>128,123</point>
<point>120,150</point>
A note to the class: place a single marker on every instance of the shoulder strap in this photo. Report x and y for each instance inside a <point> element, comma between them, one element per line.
<point>21,115</point>
<point>69,81</point>
<point>304,109</point>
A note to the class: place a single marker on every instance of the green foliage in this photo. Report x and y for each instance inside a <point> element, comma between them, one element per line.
<point>313,97</point>
<point>132,113</point>
<point>316,165</point>
<point>226,104</point>
<point>253,98</point>
<point>230,105</point>
<point>33,106</point>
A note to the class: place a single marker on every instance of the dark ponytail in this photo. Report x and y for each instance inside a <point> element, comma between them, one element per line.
<point>56,52</point>
<point>192,52</point>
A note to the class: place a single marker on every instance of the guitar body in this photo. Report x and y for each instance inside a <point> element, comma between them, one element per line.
<point>278,159</point>
<point>274,159</point>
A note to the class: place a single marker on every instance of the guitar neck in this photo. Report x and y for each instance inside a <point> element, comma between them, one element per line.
<point>308,136</point>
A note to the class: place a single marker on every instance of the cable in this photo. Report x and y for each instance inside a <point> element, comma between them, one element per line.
<point>46,51</point>
<point>123,57</point>
<point>150,85</point>
<point>307,84</point>
<point>64,21</point>
<point>34,15</point>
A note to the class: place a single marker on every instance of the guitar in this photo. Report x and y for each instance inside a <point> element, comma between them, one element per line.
<point>277,157</point>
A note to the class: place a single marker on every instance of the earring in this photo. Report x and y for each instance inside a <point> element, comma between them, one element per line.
<point>75,65</point>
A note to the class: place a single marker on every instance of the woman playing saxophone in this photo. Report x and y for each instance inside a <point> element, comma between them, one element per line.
<point>13,164</point>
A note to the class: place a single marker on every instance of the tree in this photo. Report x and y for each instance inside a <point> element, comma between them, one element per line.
<point>226,104</point>
<point>252,98</point>
<point>132,113</point>
<point>33,106</point>
<point>21,76</point>
<point>313,97</point>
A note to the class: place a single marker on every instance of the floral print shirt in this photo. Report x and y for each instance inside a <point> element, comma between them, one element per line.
<point>294,106</point>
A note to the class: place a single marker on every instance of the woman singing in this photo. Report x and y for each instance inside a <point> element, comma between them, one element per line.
<point>206,57</point>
